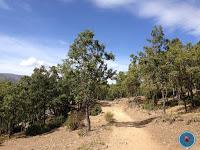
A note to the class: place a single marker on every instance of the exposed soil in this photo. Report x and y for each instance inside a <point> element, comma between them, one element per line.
<point>134,129</point>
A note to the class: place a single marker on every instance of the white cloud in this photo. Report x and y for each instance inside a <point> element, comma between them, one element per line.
<point>178,14</point>
<point>116,65</point>
<point>4,5</point>
<point>21,55</point>
<point>32,61</point>
<point>112,3</point>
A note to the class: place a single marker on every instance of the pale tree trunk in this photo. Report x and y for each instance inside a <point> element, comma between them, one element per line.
<point>166,93</point>
<point>173,93</point>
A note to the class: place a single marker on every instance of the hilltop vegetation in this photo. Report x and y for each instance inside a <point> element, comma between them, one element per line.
<point>10,77</point>
<point>165,72</point>
<point>165,69</point>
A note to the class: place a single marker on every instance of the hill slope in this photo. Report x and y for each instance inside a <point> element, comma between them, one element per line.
<point>10,77</point>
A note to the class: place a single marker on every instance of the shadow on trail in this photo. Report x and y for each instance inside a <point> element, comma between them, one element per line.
<point>136,124</point>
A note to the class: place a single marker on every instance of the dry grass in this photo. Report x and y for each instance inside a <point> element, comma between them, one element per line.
<point>94,145</point>
<point>109,117</point>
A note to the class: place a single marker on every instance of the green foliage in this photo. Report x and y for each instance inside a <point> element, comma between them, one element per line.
<point>95,110</point>
<point>114,92</point>
<point>74,121</point>
<point>29,100</point>
<point>109,117</point>
<point>88,58</point>
<point>37,129</point>
<point>148,106</point>
<point>166,68</point>
<point>56,122</point>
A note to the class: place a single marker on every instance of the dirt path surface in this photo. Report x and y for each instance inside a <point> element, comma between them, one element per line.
<point>133,130</point>
<point>126,137</point>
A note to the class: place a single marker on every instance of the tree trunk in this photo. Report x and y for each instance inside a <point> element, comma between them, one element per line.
<point>192,96</point>
<point>10,128</point>
<point>44,111</point>
<point>164,102</point>
<point>166,93</point>
<point>173,93</point>
<point>87,117</point>
<point>184,100</point>
<point>155,99</point>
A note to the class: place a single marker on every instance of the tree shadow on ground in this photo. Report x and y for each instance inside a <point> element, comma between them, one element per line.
<point>136,124</point>
<point>42,134</point>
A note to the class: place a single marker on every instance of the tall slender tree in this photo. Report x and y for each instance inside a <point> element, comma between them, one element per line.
<point>88,58</point>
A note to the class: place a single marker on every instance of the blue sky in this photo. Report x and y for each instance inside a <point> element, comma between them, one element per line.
<point>39,32</point>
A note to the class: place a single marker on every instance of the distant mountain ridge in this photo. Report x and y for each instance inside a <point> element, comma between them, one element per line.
<point>10,77</point>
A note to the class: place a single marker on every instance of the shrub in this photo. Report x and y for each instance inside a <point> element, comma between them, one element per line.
<point>56,122</point>
<point>148,106</point>
<point>109,117</point>
<point>197,100</point>
<point>95,110</point>
<point>17,129</point>
<point>172,103</point>
<point>2,139</point>
<point>82,132</point>
<point>37,129</point>
<point>74,121</point>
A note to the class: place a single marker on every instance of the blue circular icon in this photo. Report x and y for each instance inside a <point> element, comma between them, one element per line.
<point>187,139</point>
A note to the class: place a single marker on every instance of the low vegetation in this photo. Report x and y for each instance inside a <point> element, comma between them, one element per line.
<point>2,139</point>
<point>109,117</point>
<point>37,129</point>
<point>92,145</point>
<point>95,110</point>
<point>74,121</point>
<point>82,132</point>
<point>148,106</point>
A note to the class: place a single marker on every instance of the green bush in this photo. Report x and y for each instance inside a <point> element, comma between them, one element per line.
<point>172,103</point>
<point>37,129</point>
<point>109,117</point>
<point>56,122</point>
<point>197,100</point>
<point>148,106</point>
<point>74,121</point>
<point>95,110</point>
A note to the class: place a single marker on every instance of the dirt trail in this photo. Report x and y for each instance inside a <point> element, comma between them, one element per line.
<point>126,134</point>
<point>129,138</point>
